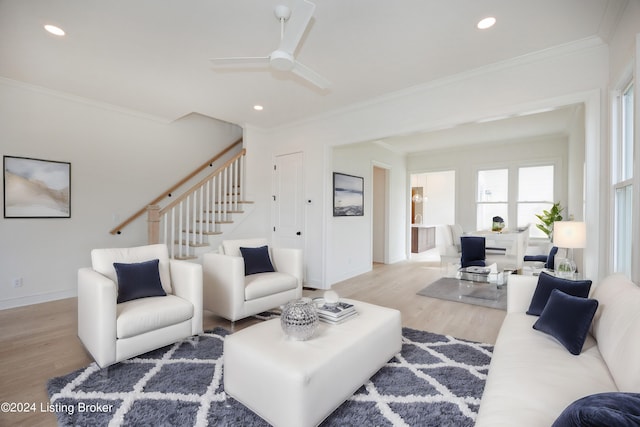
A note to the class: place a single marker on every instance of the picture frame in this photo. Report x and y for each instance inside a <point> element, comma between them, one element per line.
<point>36,188</point>
<point>348,195</point>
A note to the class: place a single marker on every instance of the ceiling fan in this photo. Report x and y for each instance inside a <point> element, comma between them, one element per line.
<point>282,58</point>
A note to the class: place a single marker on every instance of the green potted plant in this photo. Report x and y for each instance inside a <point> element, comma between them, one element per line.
<point>548,217</point>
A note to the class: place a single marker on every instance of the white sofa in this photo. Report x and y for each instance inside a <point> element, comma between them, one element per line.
<point>113,331</point>
<point>228,293</point>
<point>533,378</point>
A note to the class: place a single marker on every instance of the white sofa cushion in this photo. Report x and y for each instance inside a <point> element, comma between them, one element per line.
<point>102,261</point>
<point>616,326</point>
<point>148,314</point>
<point>532,377</point>
<point>263,284</point>
<point>232,247</point>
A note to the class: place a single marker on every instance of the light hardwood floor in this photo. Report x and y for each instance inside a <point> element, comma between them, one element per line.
<point>39,342</point>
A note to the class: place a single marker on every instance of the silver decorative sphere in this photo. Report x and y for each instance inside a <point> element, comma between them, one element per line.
<point>299,319</point>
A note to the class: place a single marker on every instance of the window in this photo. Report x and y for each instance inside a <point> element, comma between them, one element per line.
<point>492,198</point>
<point>535,194</point>
<point>623,182</point>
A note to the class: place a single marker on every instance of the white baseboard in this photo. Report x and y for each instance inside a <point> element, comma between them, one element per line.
<point>36,299</point>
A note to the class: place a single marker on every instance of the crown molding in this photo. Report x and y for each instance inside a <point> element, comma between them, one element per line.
<point>81,100</point>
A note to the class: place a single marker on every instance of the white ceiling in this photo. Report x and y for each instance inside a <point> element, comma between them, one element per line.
<point>152,56</point>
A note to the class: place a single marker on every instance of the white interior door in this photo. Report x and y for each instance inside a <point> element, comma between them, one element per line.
<point>288,201</point>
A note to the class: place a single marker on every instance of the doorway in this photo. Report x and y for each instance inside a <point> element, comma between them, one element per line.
<point>434,198</point>
<point>380,200</point>
<point>433,205</point>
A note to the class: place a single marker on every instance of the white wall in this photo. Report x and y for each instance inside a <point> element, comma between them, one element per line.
<point>119,162</point>
<point>351,252</point>
<point>567,75</point>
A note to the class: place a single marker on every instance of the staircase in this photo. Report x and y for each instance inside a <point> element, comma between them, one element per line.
<point>190,223</point>
<point>209,208</point>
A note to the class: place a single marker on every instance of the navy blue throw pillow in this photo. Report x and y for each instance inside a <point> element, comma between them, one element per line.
<point>547,283</point>
<point>567,319</point>
<point>256,260</point>
<point>602,410</point>
<point>138,280</point>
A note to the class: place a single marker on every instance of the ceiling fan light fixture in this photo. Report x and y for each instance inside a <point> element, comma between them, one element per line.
<point>56,31</point>
<point>486,23</point>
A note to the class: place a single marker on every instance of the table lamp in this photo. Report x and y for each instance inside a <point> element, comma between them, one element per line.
<point>569,235</point>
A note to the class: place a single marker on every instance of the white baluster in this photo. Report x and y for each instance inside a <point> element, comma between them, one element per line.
<point>234,200</point>
<point>180,234</point>
<point>194,215</point>
<point>214,205</point>
<point>207,202</point>
<point>163,230</point>
<point>173,232</point>
<point>225,195</point>
<point>241,178</point>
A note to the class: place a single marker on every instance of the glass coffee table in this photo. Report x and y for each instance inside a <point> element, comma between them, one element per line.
<point>482,282</point>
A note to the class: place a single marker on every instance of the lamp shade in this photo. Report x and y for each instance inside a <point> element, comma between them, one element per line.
<point>570,234</point>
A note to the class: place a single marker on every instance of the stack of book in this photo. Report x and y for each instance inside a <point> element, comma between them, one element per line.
<point>335,313</point>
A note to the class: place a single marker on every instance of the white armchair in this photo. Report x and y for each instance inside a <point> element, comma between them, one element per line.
<point>231,294</point>
<point>113,331</point>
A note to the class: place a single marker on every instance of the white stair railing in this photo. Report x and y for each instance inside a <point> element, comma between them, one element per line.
<point>186,223</point>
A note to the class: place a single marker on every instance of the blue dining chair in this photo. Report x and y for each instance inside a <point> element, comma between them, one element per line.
<point>549,260</point>
<point>473,251</point>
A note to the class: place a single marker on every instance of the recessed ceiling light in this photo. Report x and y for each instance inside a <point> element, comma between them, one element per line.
<point>57,31</point>
<point>258,107</point>
<point>486,23</point>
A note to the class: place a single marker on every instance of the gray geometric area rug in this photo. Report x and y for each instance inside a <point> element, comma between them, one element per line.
<point>465,291</point>
<point>435,380</point>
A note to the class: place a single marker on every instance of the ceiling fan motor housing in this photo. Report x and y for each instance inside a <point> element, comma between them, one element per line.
<point>281,60</point>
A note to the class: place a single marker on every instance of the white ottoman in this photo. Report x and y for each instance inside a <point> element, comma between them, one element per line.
<point>299,383</point>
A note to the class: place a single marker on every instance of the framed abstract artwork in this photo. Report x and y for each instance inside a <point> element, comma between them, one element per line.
<point>35,188</point>
<point>348,195</point>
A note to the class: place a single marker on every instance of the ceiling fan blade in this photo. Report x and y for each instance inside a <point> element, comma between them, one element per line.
<point>296,25</point>
<point>242,60</point>
<point>310,75</point>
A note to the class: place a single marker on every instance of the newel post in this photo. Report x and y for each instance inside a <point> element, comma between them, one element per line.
<point>153,224</point>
